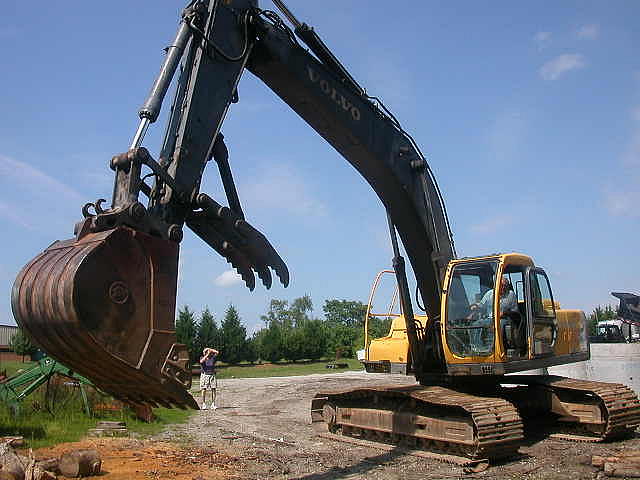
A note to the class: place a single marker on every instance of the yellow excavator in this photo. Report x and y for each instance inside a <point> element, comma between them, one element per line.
<point>103,301</point>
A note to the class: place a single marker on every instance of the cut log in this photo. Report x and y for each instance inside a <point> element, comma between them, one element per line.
<point>11,462</point>
<point>622,470</point>
<point>80,463</point>
<point>13,441</point>
<point>35,472</point>
<point>106,424</point>
<point>50,464</point>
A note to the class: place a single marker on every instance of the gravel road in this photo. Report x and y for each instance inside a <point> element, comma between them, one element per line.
<point>265,425</point>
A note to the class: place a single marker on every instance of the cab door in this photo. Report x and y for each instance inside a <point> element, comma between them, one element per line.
<point>541,313</point>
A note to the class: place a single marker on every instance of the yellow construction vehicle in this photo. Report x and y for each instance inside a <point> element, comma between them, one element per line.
<point>103,302</point>
<point>535,333</point>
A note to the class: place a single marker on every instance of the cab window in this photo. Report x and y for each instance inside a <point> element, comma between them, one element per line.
<point>470,322</point>
<point>544,314</point>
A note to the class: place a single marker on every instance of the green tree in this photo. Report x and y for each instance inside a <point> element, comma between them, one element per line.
<point>251,349</point>
<point>344,312</point>
<point>345,324</point>
<point>300,310</point>
<point>21,343</point>
<point>234,337</point>
<point>208,333</point>
<point>278,314</point>
<point>608,312</point>
<point>293,347</point>
<point>342,340</point>
<point>271,343</point>
<point>187,331</point>
<point>315,339</point>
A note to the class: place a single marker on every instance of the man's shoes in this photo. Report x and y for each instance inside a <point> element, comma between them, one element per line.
<point>204,406</point>
<point>213,406</point>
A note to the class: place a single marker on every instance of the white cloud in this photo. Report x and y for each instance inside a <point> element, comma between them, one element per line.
<point>623,203</point>
<point>589,32</point>
<point>542,39</point>
<point>493,224</point>
<point>281,188</point>
<point>553,69</point>
<point>228,279</point>
<point>14,215</point>
<point>25,175</point>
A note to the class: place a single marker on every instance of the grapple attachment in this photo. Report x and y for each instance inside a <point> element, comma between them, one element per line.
<point>104,305</point>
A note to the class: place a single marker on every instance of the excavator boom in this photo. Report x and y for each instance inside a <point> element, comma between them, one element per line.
<point>103,302</point>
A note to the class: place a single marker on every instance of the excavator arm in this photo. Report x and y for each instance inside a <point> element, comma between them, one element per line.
<point>103,302</point>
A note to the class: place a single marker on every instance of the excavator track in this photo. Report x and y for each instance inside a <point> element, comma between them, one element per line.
<point>619,407</point>
<point>431,418</point>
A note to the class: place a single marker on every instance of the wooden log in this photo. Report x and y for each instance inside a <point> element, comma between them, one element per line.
<point>622,470</point>
<point>35,472</point>
<point>106,424</point>
<point>50,464</point>
<point>13,441</point>
<point>80,463</point>
<point>11,462</point>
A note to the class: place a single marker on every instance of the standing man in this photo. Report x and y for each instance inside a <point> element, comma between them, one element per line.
<point>208,376</point>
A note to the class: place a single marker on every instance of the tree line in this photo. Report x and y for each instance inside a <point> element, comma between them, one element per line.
<point>289,332</point>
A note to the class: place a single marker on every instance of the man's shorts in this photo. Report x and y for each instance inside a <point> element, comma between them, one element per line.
<point>208,382</point>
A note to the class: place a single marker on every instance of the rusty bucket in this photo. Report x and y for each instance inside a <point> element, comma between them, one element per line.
<point>104,305</point>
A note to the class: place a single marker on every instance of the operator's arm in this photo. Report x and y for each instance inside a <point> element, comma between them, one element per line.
<point>486,304</point>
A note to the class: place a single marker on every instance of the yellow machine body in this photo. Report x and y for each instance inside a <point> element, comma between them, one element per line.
<point>536,334</point>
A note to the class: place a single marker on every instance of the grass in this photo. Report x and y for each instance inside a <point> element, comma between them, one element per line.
<point>284,369</point>
<point>69,423</point>
<point>14,367</point>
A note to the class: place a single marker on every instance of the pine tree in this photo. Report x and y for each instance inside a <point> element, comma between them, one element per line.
<point>234,337</point>
<point>208,332</point>
<point>251,349</point>
<point>271,343</point>
<point>315,339</point>
<point>294,344</point>
<point>186,332</point>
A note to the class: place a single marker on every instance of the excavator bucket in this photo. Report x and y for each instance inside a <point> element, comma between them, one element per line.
<point>103,304</point>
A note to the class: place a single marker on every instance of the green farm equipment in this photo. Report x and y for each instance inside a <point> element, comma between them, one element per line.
<point>15,389</point>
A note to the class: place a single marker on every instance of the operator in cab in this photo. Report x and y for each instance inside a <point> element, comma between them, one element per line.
<point>508,300</point>
<point>482,313</point>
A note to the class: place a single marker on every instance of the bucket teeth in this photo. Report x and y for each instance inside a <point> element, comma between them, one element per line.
<point>104,306</point>
<point>241,244</point>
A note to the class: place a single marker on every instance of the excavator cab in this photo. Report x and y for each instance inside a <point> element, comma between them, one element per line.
<point>499,316</point>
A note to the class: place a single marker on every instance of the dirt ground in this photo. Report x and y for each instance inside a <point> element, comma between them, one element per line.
<point>262,430</point>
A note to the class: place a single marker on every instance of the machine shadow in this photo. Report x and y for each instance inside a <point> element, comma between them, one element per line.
<point>362,467</point>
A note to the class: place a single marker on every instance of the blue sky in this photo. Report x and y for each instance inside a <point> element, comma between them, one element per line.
<point>529,115</point>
